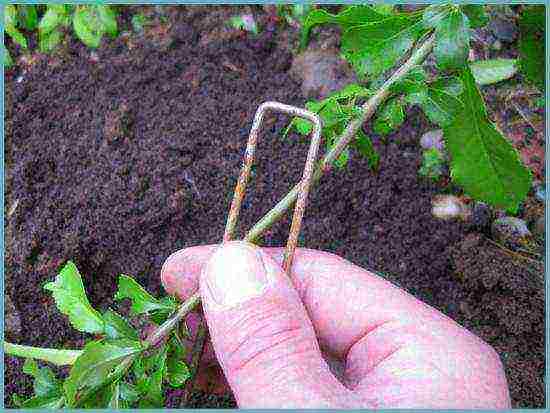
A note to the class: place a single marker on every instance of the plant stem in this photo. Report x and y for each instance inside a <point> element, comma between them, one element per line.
<point>367,110</point>
<point>158,334</point>
<point>276,213</point>
<point>51,355</point>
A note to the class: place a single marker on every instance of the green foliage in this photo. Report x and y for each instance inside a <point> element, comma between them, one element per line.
<point>491,71</point>
<point>244,22</point>
<point>50,25</point>
<point>28,17</point>
<point>390,117</point>
<point>433,163</point>
<point>90,23</point>
<point>142,301</point>
<point>70,298</point>
<point>116,369</point>
<point>336,111</point>
<point>11,23</point>
<point>139,21</point>
<point>483,162</point>
<point>532,46</point>
<point>375,38</point>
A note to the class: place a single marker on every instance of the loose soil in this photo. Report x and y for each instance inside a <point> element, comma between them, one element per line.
<point>119,159</point>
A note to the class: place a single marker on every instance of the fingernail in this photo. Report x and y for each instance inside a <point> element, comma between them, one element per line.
<point>235,273</point>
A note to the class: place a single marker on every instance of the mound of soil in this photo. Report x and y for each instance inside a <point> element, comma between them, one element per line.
<point>120,158</point>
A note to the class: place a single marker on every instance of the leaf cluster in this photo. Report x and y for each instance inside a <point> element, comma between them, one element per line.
<point>336,111</point>
<point>116,369</point>
<point>532,45</point>
<point>89,22</point>
<point>374,39</point>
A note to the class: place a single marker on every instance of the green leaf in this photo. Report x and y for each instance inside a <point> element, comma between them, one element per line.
<point>364,146</point>
<point>491,71</point>
<point>51,19</point>
<point>178,372</point>
<point>384,8</point>
<point>390,117</point>
<point>10,15</point>
<point>532,46</point>
<point>107,17</point>
<point>376,47</point>
<point>351,91</point>
<point>154,397</point>
<point>351,16</point>
<point>114,401</point>
<point>70,298</point>
<point>117,326</point>
<point>47,42</point>
<point>128,392</point>
<point>483,162</point>
<point>28,16</point>
<point>142,301</point>
<point>433,163</point>
<point>97,366</point>
<point>51,355</point>
<point>452,45</point>
<point>476,15</point>
<point>41,402</point>
<point>87,26</point>
<point>16,36</point>
<point>45,383</point>
<point>139,21</point>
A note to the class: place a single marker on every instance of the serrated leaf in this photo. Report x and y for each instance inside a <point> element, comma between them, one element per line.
<point>434,14</point>
<point>384,8</point>
<point>390,117</point>
<point>117,326</point>
<point>51,19</point>
<point>107,18</point>
<point>45,383</point>
<point>303,127</point>
<point>87,26</point>
<point>364,146</point>
<point>142,301</point>
<point>70,298</point>
<point>351,91</point>
<point>376,47</point>
<point>97,366</point>
<point>487,72</point>
<point>532,47</point>
<point>28,16</point>
<point>16,36</point>
<point>476,15</point>
<point>452,45</point>
<point>47,42</point>
<point>483,162</point>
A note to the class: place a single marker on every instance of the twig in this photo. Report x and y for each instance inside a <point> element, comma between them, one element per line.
<point>513,253</point>
<point>197,352</point>
<point>368,109</point>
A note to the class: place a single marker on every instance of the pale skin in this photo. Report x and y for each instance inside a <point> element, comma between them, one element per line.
<point>274,337</point>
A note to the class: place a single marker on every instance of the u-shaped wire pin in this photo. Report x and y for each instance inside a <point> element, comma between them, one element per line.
<point>304,185</point>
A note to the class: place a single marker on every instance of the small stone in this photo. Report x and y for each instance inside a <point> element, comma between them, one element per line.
<point>12,319</point>
<point>540,193</point>
<point>321,72</point>
<point>433,139</point>
<point>540,227</point>
<point>449,207</point>
<point>512,232</point>
<point>504,30</point>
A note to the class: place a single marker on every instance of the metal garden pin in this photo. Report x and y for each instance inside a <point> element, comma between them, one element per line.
<point>304,184</point>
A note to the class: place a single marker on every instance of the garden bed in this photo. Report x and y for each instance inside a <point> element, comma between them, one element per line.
<point>119,157</point>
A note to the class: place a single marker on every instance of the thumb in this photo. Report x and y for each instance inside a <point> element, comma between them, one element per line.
<point>262,336</point>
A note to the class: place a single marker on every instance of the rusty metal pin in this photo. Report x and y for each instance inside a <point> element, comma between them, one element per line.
<point>304,184</point>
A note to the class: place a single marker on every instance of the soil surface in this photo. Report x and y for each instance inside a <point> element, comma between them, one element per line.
<point>119,158</point>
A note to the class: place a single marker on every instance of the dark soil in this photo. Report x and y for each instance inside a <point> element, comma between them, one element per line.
<point>119,161</point>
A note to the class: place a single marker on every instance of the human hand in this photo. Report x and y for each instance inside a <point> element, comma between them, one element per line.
<point>272,335</point>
